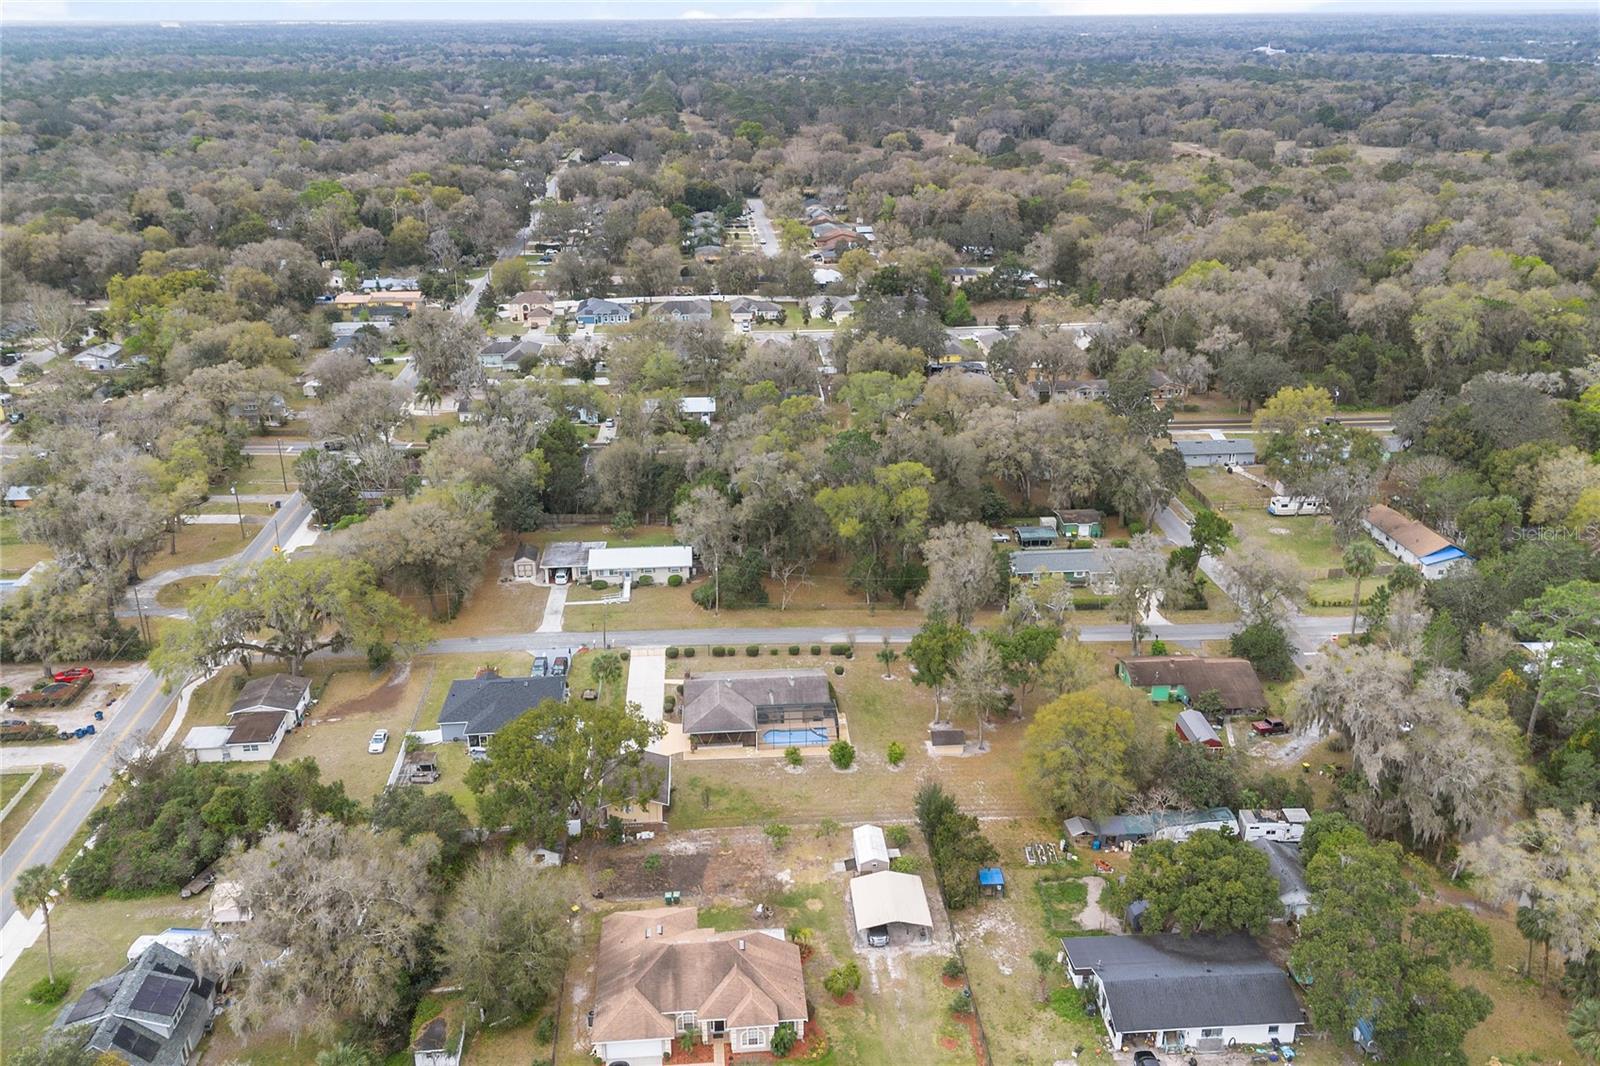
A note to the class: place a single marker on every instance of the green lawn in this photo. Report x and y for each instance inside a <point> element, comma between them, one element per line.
<point>11,784</point>
<point>18,816</point>
<point>17,556</point>
<point>257,473</point>
<point>197,544</point>
<point>1062,900</point>
<point>91,941</point>
<point>1307,542</point>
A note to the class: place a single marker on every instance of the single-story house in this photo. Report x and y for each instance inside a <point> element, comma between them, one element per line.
<point>274,692</point>
<point>152,1012</point>
<point>871,849</point>
<point>760,709</point>
<point>652,809</point>
<point>1185,677</point>
<point>1080,523</point>
<point>1283,860</point>
<point>959,276</point>
<point>1193,728</point>
<point>598,312</point>
<point>1216,452</point>
<point>476,708</point>
<point>630,564</point>
<point>1086,389</point>
<point>525,562</point>
<point>532,307</point>
<point>1080,566</point>
<point>1034,536</point>
<point>101,358</point>
<point>658,976</point>
<point>492,356</point>
<point>563,560</point>
<point>1288,825</point>
<point>1413,543</point>
<point>746,310</point>
<point>1172,992</point>
<point>615,159</point>
<point>701,408</point>
<point>684,310</point>
<point>350,329</point>
<point>1161,825</point>
<point>19,496</point>
<point>829,307</point>
<point>250,736</point>
<point>891,904</point>
<point>384,282</point>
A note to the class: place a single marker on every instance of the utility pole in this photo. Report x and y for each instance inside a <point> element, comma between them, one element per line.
<point>282,470</point>
<point>238,509</point>
<point>144,623</point>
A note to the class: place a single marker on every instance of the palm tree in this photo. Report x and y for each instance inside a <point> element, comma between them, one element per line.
<point>606,667</point>
<point>34,886</point>
<point>344,1055</point>
<point>428,395</point>
<point>1359,562</point>
<point>887,657</point>
<point>1533,922</point>
<point>1583,1025</point>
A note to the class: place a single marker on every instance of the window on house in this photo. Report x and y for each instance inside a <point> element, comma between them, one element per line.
<point>753,1038</point>
<point>1272,1030</point>
<point>1206,1034</point>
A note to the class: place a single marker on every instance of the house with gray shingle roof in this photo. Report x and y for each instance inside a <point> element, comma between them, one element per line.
<point>476,708</point>
<point>152,1012</point>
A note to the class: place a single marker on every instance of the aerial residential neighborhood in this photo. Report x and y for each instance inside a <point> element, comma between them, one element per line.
<point>1012,536</point>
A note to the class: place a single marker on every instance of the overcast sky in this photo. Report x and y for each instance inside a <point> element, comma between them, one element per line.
<point>523,10</point>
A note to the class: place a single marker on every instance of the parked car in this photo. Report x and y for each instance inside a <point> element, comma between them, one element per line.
<point>1145,1058</point>
<point>379,741</point>
<point>1000,538</point>
<point>559,667</point>
<point>541,666</point>
<point>878,936</point>
<point>1268,727</point>
<point>561,577</point>
<point>10,359</point>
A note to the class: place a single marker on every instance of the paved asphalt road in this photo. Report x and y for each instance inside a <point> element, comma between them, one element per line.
<point>766,236</point>
<point>78,790</point>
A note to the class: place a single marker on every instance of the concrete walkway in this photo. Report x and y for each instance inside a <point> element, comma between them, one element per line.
<point>554,609</point>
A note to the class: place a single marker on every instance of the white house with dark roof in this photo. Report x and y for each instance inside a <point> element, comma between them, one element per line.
<point>684,310</point>
<point>659,563</point>
<point>152,1012</point>
<point>102,358</point>
<point>1173,992</point>
<point>1216,452</point>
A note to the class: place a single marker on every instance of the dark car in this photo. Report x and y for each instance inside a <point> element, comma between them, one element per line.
<point>1145,1058</point>
<point>10,359</point>
<point>541,667</point>
<point>559,667</point>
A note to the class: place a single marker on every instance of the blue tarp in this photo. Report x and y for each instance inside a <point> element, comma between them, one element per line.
<point>991,876</point>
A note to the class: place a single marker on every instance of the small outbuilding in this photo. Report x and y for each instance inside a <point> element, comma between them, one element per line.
<point>525,563</point>
<point>1193,728</point>
<point>1034,536</point>
<point>947,740</point>
<point>991,881</point>
<point>871,850</point>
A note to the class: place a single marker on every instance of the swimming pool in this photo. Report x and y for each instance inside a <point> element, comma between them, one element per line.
<point>795,738</point>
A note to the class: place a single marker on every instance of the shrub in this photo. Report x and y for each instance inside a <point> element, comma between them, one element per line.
<point>772,651</point>
<point>644,579</point>
<point>896,753</point>
<point>599,583</point>
<point>961,1003</point>
<point>783,1040</point>
<point>674,580</point>
<point>45,992</point>
<point>668,703</point>
<point>827,828</point>
<point>1158,647</point>
<point>838,671</point>
<point>816,649</point>
<point>752,650</point>
<point>898,836</point>
<point>953,966</point>
<point>842,753</point>
<point>1120,542</point>
<point>672,651</point>
<point>613,830</point>
<point>905,864</point>
<point>625,654</point>
<point>716,651</point>
<point>652,862</point>
<point>688,653</point>
<point>794,649</point>
<point>545,1031</point>
<point>379,655</point>
<point>838,649</point>
<point>843,981</point>
<point>688,1039</point>
<point>1267,647</point>
<point>792,756</point>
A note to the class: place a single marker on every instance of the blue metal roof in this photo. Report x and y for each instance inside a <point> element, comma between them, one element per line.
<point>991,875</point>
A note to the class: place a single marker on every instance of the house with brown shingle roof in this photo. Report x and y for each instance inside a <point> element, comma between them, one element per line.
<point>1187,676</point>
<point>658,975</point>
<point>1412,542</point>
<point>760,709</point>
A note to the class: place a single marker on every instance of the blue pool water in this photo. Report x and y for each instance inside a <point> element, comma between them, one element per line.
<point>798,738</point>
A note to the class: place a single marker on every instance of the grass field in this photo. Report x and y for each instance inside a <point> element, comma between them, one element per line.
<point>196,544</point>
<point>351,707</point>
<point>18,816</point>
<point>257,473</point>
<point>16,554</point>
<point>493,607</point>
<point>11,784</point>
<point>177,593</point>
<point>441,670</point>
<point>1306,543</point>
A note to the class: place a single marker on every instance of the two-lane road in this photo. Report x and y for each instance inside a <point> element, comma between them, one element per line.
<point>58,819</point>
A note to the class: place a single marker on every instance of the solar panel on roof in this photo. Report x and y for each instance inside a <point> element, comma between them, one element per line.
<point>160,995</point>
<point>135,1043</point>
